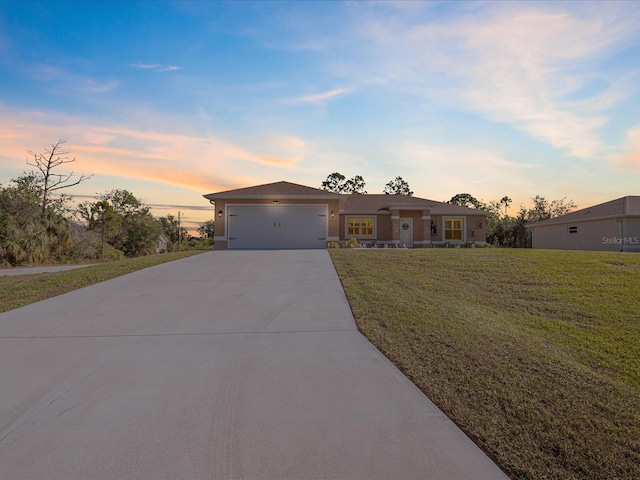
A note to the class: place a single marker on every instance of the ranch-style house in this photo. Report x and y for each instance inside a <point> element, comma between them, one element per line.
<point>285,215</point>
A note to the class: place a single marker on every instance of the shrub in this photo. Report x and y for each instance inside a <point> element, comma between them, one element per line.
<point>352,243</point>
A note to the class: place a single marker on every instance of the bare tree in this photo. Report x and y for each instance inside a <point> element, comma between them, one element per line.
<point>45,163</point>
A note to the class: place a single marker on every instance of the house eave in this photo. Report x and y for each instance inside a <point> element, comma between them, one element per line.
<point>214,197</point>
<point>408,206</point>
<point>552,221</point>
<point>271,197</point>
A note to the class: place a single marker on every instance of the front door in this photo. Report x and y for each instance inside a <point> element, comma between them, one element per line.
<point>406,232</point>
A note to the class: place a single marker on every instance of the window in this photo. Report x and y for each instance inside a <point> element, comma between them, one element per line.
<point>573,229</point>
<point>360,226</point>
<point>453,229</point>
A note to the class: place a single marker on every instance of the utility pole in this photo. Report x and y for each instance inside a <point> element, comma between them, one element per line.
<point>179,231</point>
<point>102,242</point>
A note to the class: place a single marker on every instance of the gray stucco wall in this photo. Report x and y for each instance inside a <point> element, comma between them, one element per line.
<point>599,235</point>
<point>631,235</point>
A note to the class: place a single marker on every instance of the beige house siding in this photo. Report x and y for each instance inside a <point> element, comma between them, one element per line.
<point>612,235</point>
<point>577,236</point>
<point>428,230</point>
<point>631,231</point>
<point>382,227</point>
<point>474,229</point>
<point>611,226</point>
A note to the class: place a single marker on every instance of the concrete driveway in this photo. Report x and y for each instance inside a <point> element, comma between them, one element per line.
<point>223,365</point>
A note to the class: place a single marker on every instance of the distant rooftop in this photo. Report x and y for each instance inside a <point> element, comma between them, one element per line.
<point>620,207</point>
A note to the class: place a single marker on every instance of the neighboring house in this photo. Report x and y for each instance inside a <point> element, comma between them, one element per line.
<point>610,226</point>
<point>285,215</point>
<point>161,245</point>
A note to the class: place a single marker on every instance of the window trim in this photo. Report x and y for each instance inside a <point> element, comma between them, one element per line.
<point>463,232</point>
<point>360,217</point>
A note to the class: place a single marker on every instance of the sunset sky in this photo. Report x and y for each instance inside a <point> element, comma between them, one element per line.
<point>173,100</point>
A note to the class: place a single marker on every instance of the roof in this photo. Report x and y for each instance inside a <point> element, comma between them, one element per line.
<point>628,206</point>
<point>350,204</point>
<point>373,203</point>
<point>275,190</point>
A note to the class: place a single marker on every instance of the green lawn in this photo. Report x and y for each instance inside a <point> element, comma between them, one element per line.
<point>17,291</point>
<point>534,354</point>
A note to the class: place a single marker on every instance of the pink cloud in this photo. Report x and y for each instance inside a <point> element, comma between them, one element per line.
<point>203,163</point>
<point>631,157</point>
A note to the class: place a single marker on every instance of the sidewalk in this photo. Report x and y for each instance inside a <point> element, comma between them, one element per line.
<point>35,270</point>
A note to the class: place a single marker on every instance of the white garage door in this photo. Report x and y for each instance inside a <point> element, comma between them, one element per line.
<point>277,226</point>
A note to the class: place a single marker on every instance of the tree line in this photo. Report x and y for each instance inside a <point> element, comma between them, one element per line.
<point>503,230</point>
<point>338,183</point>
<point>39,226</point>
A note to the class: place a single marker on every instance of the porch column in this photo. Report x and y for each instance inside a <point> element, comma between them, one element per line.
<point>395,226</point>
<point>426,228</point>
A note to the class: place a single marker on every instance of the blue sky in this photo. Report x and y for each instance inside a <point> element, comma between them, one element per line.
<point>172,100</point>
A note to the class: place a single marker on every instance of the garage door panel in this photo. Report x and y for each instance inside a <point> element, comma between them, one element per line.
<point>277,226</point>
<point>246,227</point>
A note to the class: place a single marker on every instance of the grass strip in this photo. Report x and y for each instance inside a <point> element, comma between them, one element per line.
<point>533,353</point>
<point>18,291</point>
